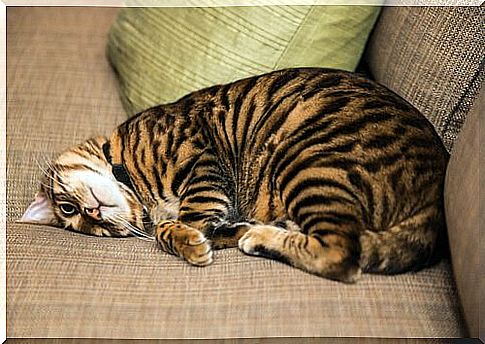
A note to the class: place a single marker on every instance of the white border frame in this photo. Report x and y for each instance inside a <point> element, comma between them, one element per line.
<point>119,3</point>
<point>3,173</point>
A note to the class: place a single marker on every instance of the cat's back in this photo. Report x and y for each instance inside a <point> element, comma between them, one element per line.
<point>341,112</point>
<point>287,112</point>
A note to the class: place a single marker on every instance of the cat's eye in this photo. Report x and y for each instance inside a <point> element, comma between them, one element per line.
<point>67,209</point>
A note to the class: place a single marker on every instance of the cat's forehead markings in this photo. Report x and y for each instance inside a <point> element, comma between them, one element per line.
<point>79,166</point>
<point>72,162</point>
<point>71,157</point>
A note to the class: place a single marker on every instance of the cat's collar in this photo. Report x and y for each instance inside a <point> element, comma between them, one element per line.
<point>118,170</point>
<point>121,175</point>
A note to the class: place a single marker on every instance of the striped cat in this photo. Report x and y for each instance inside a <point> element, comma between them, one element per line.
<point>321,169</point>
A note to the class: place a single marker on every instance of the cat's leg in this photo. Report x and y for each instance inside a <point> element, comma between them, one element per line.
<point>206,221</point>
<point>206,217</point>
<point>227,234</point>
<point>325,252</point>
<point>329,216</point>
<point>194,241</point>
<point>184,241</point>
<point>195,245</point>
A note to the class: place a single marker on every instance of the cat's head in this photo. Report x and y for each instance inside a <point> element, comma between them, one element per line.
<point>79,192</point>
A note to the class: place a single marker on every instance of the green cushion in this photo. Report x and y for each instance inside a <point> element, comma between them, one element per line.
<point>161,54</point>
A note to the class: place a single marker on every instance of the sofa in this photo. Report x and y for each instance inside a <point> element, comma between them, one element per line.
<point>61,90</point>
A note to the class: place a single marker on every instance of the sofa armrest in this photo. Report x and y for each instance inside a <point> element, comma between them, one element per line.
<point>481,286</point>
<point>462,215</point>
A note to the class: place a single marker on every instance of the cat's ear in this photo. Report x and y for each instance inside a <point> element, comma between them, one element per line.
<point>39,211</point>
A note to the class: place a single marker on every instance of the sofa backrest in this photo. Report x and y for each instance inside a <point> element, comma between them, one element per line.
<point>434,58</point>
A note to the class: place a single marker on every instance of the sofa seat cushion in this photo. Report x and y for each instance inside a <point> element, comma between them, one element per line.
<point>64,284</point>
<point>161,54</point>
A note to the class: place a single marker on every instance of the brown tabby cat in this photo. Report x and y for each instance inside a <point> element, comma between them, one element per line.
<point>321,169</point>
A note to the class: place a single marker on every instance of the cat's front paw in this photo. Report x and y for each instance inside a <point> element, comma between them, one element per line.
<point>184,241</point>
<point>199,254</point>
<point>255,240</point>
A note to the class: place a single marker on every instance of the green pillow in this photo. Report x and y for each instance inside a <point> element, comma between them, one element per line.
<point>161,54</point>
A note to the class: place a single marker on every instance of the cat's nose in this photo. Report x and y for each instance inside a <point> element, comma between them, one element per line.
<point>93,213</point>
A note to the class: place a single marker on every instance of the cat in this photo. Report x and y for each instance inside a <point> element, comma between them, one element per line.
<point>321,169</point>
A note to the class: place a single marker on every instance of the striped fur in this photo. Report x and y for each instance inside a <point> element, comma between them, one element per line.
<point>321,169</point>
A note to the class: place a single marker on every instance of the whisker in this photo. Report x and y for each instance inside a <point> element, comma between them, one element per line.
<point>46,186</point>
<point>122,225</point>
<point>48,175</point>
<point>139,214</point>
<point>45,159</point>
<point>54,168</point>
<point>41,167</point>
<point>140,234</point>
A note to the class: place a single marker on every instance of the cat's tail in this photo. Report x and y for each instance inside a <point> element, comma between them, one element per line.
<point>409,245</point>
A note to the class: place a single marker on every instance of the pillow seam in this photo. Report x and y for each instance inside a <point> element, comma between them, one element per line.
<point>292,39</point>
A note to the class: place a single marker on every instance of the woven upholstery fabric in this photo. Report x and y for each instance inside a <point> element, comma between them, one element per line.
<point>63,284</point>
<point>161,54</point>
<point>462,205</point>
<point>434,58</point>
<point>481,268</point>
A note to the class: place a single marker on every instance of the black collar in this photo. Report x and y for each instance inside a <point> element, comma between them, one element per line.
<point>121,175</point>
<point>119,170</point>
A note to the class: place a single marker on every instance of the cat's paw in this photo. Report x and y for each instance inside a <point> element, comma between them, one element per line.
<point>255,240</point>
<point>184,241</point>
<point>199,254</point>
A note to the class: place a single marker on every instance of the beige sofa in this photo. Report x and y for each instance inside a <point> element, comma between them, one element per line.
<point>61,90</point>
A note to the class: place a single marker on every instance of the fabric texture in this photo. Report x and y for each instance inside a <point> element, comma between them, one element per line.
<point>434,57</point>
<point>481,234</point>
<point>161,54</point>
<point>462,214</point>
<point>61,284</point>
